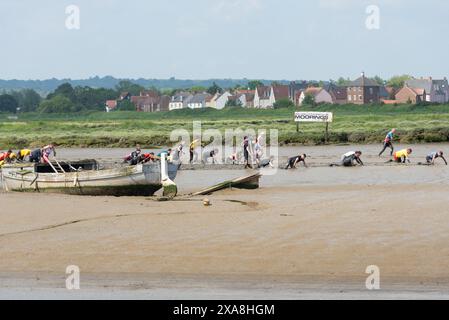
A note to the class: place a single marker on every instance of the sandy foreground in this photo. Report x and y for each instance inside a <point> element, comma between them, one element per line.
<point>288,243</point>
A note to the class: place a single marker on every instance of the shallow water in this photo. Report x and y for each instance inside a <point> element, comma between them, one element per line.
<point>376,171</point>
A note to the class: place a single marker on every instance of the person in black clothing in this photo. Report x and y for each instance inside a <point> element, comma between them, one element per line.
<point>246,152</point>
<point>352,159</point>
<point>293,161</point>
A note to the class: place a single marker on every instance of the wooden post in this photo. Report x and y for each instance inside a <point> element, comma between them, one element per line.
<point>326,137</point>
<point>297,126</point>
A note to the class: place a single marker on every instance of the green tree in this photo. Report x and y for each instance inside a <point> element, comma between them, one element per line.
<point>57,104</point>
<point>309,100</point>
<point>398,81</point>
<point>128,86</point>
<point>234,104</point>
<point>65,90</point>
<point>197,89</point>
<point>283,103</point>
<point>379,80</point>
<point>126,105</point>
<point>343,82</point>
<point>8,103</point>
<point>252,85</point>
<point>30,100</point>
<point>93,99</point>
<point>214,89</point>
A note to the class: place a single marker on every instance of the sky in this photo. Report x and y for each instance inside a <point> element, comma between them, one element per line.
<point>203,39</point>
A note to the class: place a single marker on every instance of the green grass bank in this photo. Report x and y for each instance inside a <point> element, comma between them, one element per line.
<point>352,124</point>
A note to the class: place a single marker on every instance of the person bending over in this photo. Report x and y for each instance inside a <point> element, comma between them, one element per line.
<point>293,161</point>
<point>402,155</point>
<point>430,159</point>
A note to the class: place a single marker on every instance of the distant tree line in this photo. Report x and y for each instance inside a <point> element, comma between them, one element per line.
<point>68,99</point>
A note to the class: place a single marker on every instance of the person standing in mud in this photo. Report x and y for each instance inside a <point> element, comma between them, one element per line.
<point>388,142</point>
<point>246,151</point>
<point>192,147</point>
<point>209,155</point>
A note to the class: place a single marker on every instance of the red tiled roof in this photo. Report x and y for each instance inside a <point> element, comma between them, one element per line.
<point>111,104</point>
<point>281,92</point>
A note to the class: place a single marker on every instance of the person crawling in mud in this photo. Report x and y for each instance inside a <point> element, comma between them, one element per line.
<point>430,159</point>
<point>134,157</point>
<point>293,161</point>
<point>350,159</point>
<point>22,154</point>
<point>266,163</point>
<point>148,157</point>
<point>7,157</point>
<point>43,154</point>
<point>402,156</point>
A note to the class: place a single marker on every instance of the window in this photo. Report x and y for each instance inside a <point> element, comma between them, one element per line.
<point>371,92</point>
<point>349,98</point>
<point>360,97</point>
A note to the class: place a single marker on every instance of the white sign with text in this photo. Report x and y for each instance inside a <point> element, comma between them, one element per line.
<point>313,116</point>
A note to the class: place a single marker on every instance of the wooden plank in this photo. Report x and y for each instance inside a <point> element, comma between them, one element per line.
<point>228,184</point>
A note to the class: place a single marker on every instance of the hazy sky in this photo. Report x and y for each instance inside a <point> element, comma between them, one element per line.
<point>198,39</point>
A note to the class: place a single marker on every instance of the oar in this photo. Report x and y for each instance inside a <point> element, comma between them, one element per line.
<point>54,169</point>
<point>59,165</point>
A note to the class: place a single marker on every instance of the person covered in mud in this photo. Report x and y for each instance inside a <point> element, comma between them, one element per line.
<point>148,157</point>
<point>258,151</point>
<point>293,161</point>
<point>430,159</point>
<point>168,154</point>
<point>246,151</point>
<point>6,157</point>
<point>177,154</point>
<point>388,142</point>
<point>209,155</point>
<point>134,157</point>
<point>266,163</point>
<point>42,154</point>
<point>47,151</point>
<point>22,154</point>
<point>351,159</point>
<point>192,152</point>
<point>402,156</point>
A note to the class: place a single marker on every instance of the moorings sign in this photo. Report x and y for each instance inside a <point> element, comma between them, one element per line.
<point>313,117</point>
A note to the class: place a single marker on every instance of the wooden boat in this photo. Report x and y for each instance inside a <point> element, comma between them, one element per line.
<point>88,177</point>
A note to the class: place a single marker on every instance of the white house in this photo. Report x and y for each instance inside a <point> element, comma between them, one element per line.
<point>319,95</point>
<point>179,101</point>
<point>221,100</point>
<point>264,97</point>
<point>198,101</point>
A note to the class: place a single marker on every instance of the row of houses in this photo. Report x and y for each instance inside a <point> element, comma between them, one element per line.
<point>362,90</point>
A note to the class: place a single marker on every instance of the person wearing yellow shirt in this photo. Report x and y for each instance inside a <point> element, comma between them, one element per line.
<point>22,154</point>
<point>402,155</point>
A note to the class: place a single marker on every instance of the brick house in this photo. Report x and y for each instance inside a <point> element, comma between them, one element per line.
<point>363,91</point>
<point>411,95</point>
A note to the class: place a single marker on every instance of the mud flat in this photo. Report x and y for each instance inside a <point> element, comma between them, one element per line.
<point>299,241</point>
<point>305,234</point>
